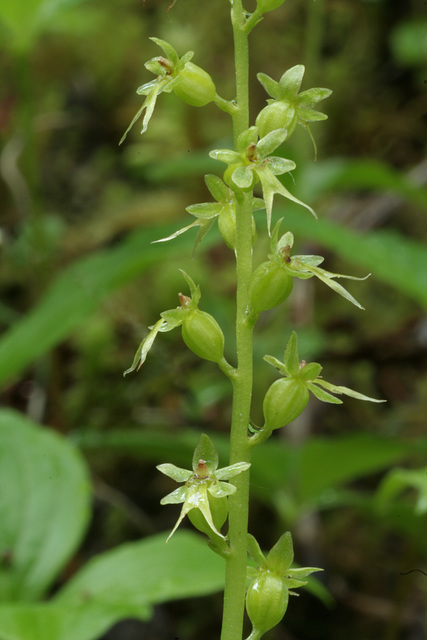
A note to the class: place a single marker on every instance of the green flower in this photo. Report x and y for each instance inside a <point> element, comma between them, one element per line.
<point>305,267</point>
<point>204,486</point>
<point>268,593</point>
<point>288,107</point>
<point>224,209</point>
<point>252,162</point>
<point>200,331</point>
<point>190,83</point>
<point>287,397</point>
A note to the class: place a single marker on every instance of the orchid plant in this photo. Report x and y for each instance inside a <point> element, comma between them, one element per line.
<point>212,496</point>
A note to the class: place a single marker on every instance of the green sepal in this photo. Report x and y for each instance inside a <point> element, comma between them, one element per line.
<point>176,473</point>
<point>217,188</point>
<point>302,572</point>
<point>281,555</point>
<point>206,450</point>
<point>242,176</point>
<point>270,142</point>
<point>254,551</point>
<point>205,210</point>
<point>225,155</point>
<point>232,470</point>
<point>270,85</point>
<point>194,289</point>
<point>247,138</point>
<point>290,82</point>
<point>168,50</point>
<point>291,357</point>
<point>280,366</point>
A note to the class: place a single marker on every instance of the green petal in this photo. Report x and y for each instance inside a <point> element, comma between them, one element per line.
<point>221,489</point>
<point>321,394</point>
<point>176,473</point>
<point>311,371</point>
<point>327,278</point>
<point>346,391</point>
<point>144,347</point>
<point>242,176</point>
<point>175,497</point>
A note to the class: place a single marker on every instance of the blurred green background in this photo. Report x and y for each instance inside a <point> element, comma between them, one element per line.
<point>80,282</point>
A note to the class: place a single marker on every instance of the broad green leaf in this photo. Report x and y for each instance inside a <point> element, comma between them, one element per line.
<point>147,572</point>
<point>76,293</point>
<point>46,621</point>
<point>25,20</point>
<point>389,256</point>
<point>44,506</point>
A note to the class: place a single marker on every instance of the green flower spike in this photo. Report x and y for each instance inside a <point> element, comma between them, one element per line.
<point>288,107</point>
<point>268,593</point>
<point>287,397</point>
<point>305,267</point>
<point>190,83</point>
<point>224,209</point>
<point>252,162</point>
<point>204,489</point>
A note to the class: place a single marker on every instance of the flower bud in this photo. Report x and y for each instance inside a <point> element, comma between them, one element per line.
<point>219,511</point>
<point>268,5</point>
<point>270,284</point>
<point>266,601</point>
<point>195,86</point>
<point>227,226</point>
<point>203,335</point>
<point>284,401</point>
<point>280,114</point>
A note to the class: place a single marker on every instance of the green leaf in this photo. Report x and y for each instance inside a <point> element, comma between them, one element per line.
<point>76,293</point>
<point>27,19</point>
<point>46,621</point>
<point>45,508</point>
<point>147,572</point>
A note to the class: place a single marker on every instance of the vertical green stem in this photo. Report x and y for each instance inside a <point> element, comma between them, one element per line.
<point>235,580</point>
